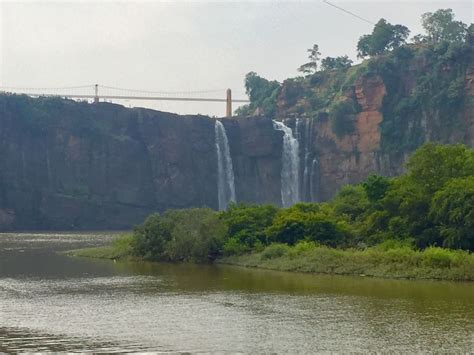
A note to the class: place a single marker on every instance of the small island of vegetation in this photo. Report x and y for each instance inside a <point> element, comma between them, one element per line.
<point>418,225</point>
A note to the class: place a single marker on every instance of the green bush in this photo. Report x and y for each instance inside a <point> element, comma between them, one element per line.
<point>181,235</point>
<point>275,250</point>
<point>395,244</point>
<point>151,237</point>
<point>452,209</point>
<point>303,247</point>
<point>123,245</point>
<point>289,226</point>
<point>437,257</point>
<point>233,246</point>
<point>342,116</point>
<point>351,201</point>
<point>247,223</point>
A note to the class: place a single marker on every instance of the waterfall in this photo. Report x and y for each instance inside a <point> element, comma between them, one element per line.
<point>290,165</point>
<point>225,172</point>
<point>314,169</point>
<point>308,140</point>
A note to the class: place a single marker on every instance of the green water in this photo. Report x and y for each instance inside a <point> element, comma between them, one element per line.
<point>51,302</point>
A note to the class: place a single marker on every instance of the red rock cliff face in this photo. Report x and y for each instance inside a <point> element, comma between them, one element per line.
<point>353,157</point>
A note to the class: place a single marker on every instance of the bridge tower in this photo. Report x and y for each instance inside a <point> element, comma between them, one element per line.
<point>96,93</point>
<point>228,110</point>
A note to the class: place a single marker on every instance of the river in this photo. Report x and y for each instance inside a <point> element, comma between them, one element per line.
<point>52,302</point>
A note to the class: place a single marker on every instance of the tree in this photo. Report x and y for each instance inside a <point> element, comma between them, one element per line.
<point>310,222</point>
<point>376,187</point>
<point>312,66</point>
<point>262,94</point>
<point>384,38</point>
<point>452,209</point>
<point>257,88</point>
<point>246,225</point>
<point>197,234</point>
<point>470,35</point>
<point>330,63</point>
<point>410,198</point>
<point>351,201</point>
<point>151,237</point>
<point>441,26</point>
<point>432,165</point>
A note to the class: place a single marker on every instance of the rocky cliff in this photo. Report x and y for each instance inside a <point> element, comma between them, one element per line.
<point>370,117</point>
<point>70,165</point>
<point>73,165</point>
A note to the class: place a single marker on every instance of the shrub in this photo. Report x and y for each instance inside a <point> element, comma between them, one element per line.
<point>151,237</point>
<point>123,245</point>
<point>180,235</point>
<point>395,244</point>
<point>275,250</point>
<point>341,115</point>
<point>247,223</point>
<point>233,246</point>
<point>289,226</point>
<point>327,230</point>
<point>351,201</point>
<point>303,247</point>
<point>437,257</point>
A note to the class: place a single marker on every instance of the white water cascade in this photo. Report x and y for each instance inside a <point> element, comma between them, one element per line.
<point>307,136</point>
<point>225,172</point>
<point>290,165</point>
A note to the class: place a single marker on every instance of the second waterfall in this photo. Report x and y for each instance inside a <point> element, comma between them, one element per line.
<point>290,163</point>
<point>225,171</point>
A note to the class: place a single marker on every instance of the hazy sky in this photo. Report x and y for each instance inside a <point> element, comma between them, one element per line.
<point>183,46</point>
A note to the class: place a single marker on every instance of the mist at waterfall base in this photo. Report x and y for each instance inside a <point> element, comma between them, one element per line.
<point>225,171</point>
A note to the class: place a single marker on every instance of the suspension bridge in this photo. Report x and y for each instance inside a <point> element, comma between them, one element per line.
<point>97,93</point>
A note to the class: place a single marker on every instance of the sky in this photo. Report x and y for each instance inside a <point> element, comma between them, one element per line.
<point>184,46</point>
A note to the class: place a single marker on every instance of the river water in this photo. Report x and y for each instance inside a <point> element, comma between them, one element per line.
<point>51,302</point>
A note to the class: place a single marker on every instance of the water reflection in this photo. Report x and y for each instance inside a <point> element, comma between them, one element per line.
<point>53,302</point>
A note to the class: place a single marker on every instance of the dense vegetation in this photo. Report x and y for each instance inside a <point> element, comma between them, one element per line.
<point>416,220</point>
<point>423,78</point>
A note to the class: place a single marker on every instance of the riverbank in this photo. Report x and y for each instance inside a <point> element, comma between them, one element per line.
<point>119,249</point>
<point>398,262</point>
<point>432,263</point>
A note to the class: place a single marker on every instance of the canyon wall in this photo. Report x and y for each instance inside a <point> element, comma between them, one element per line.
<point>69,165</point>
<point>73,166</point>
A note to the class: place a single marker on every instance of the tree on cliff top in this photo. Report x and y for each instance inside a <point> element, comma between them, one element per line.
<point>441,26</point>
<point>337,63</point>
<point>384,38</point>
<point>262,94</point>
<point>312,66</point>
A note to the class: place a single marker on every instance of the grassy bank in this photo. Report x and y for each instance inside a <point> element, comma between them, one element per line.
<point>398,262</point>
<point>121,248</point>
<point>388,260</point>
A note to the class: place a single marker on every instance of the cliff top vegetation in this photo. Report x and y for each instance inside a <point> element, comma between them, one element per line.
<point>422,76</point>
